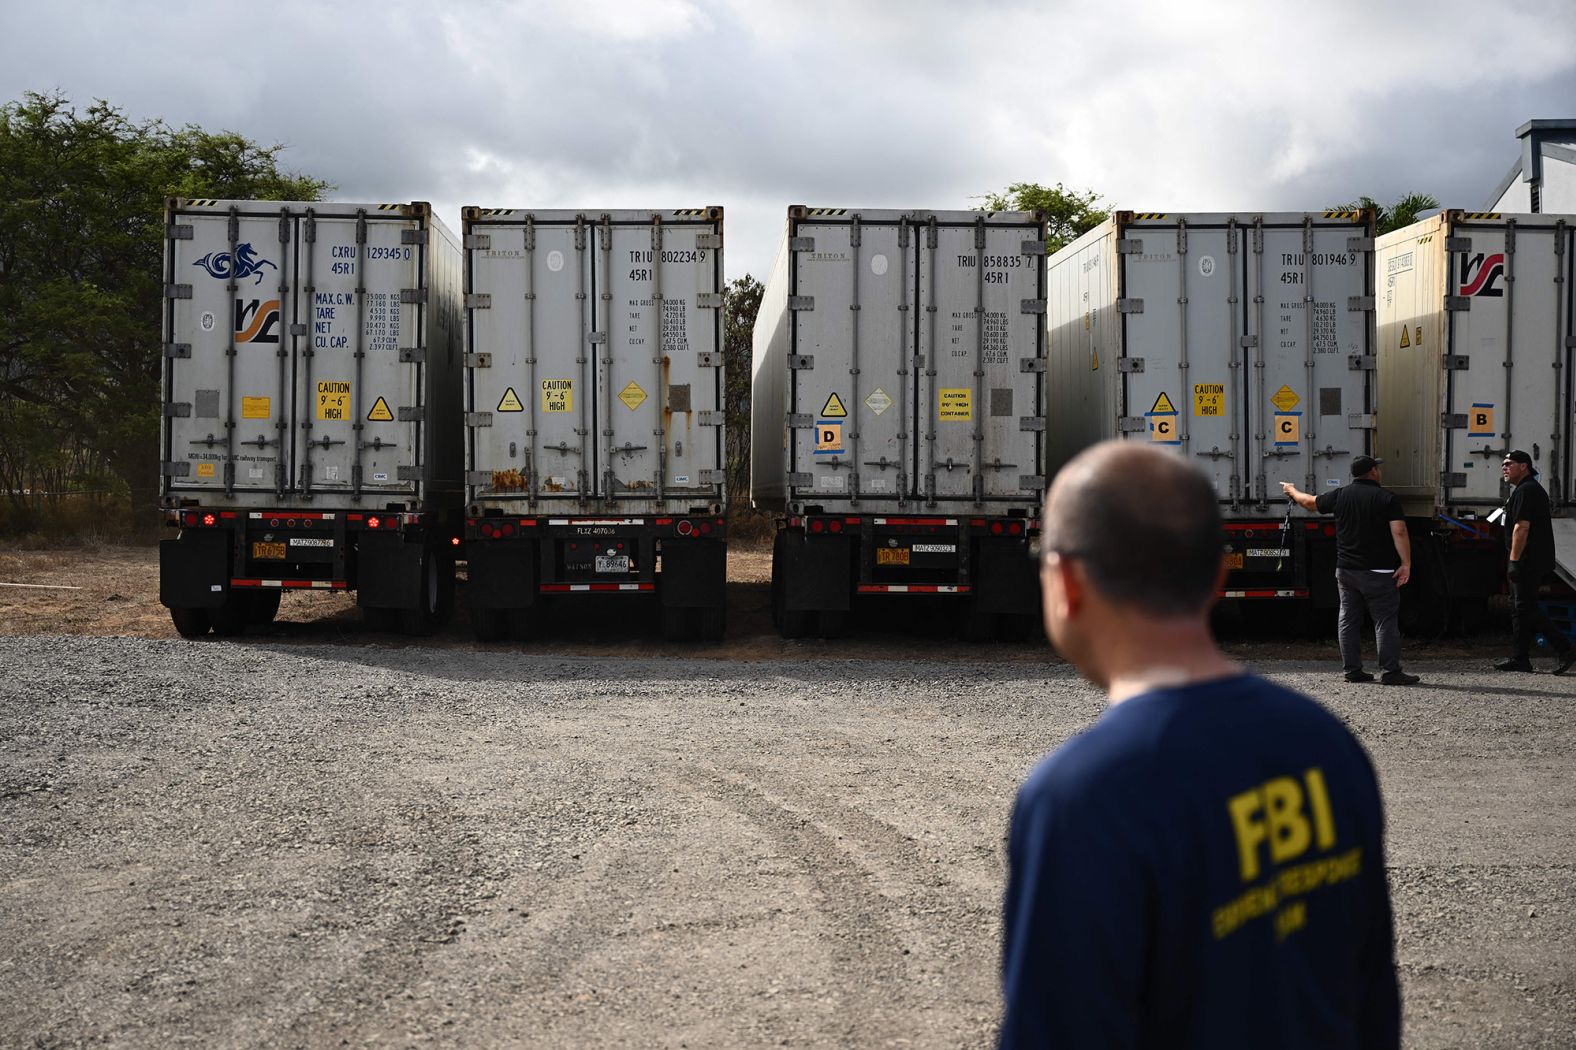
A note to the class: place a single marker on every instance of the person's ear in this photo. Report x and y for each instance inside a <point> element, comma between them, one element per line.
<point>1074,586</point>
<point>1220,581</point>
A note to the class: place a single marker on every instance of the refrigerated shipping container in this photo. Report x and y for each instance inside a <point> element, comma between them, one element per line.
<point>1475,357</point>
<point>1240,341</point>
<point>594,422</point>
<point>897,413</point>
<point>311,430</point>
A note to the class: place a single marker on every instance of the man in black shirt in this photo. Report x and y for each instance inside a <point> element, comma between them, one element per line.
<point>1529,534</point>
<point>1373,561</point>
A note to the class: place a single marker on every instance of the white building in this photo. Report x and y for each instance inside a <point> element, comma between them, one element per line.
<point>1543,179</point>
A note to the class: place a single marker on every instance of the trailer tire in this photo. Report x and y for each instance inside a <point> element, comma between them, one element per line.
<point>380,620</point>
<point>490,625</point>
<point>231,618</point>
<point>261,607</point>
<point>191,623</point>
<point>435,599</point>
<point>979,626</point>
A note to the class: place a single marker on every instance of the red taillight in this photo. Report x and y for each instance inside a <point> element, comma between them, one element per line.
<point>684,527</point>
<point>374,522</point>
<point>836,526</point>
<point>817,525</point>
<point>995,528</point>
<point>1015,528</point>
<point>454,541</point>
<point>508,528</point>
<point>209,519</point>
<point>1329,530</point>
<point>188,518</point>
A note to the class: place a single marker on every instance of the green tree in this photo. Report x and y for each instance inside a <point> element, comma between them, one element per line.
<point>1403,212</point>
<point>741,302</point>
<point>1069,214</point>
<point>81,284</point>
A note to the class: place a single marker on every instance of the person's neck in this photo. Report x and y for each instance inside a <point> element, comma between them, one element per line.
<point>1162,654</point>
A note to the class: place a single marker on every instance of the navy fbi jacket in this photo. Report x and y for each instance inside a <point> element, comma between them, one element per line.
<point>1204,867</point>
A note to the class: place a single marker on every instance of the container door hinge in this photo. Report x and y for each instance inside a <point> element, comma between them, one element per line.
<point>178,410</point>
<point>1456,362</point>
<point>175,470</point>
<point>800,421</point>
<point>1130,364</point>
<point>1031,423</point>
<point>1362,362</point>
<point>798,302</point>
<point>412,414</point>
<point>413,295</point>
<point>1132,424</point>
<point>478,360</point>
<point>479,419</point>
<point>177,291</point>
<point>712,477</point>
<point>801,244</point>
<point>708,300</point>
<point>710,419</point>
<point>1457,302</point>
<point>179,231</point>
<point>803,362</point>
<point>413,355</point>
<point>1032,248</point>
<point>478,242</point>
<point>1032,364</point>
<point>709,240</point>
<point>1031,306</point>
<point>1360,421</point>
<point>173,350</point>
<point>413,236</point>
<point>794,480</point>
<point>707,359</point>
<point>1129,246</point>
<point>1458,244</point>
<point>1453,420</point>
<point>1129,306</point>
<point>1452,481</point>
<point>1359,244</point>
<point>1356,303</point>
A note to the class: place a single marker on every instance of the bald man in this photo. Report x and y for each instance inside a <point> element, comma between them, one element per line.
<point>1204,866</point>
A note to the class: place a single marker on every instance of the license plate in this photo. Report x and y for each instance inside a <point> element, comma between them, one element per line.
<point>614,563</point>
<point>1269,552</point>
<point>275,551</point>
<point>892,555</point>
<point>1234,560</point>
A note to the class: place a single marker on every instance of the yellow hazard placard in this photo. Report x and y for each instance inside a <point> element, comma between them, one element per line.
<point>955,404</point>
<point>510,402</point>
<point>380,412</point>
<point>1480,421</point>
<point>1209,399</point>
<point>1406,337</point>
<point>205,470</point>
<point>558,395</point>
<point>256,407</point>
<point>828,437</point>
<point>1288,428</point>
<point>1162,404</point>
<point>632,396</point>
<point>1285,399</point>
<point>833,409</point>
<point>333,399</point>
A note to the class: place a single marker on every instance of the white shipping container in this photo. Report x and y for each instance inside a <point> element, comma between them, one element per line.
<point>1475,356</point>
<point>1241,341</point>
<point>898,362</point>
<point>594,377</point>
<point>312,353</point>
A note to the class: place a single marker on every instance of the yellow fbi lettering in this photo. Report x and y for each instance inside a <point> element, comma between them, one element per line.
<point>1284,816</point>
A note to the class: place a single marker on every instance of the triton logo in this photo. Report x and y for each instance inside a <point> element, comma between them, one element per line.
<point>256,321</point>
<point>1480,274</point>
<point>247,263</point>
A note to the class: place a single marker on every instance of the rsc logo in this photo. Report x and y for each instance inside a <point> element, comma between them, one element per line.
<point>245,264</point>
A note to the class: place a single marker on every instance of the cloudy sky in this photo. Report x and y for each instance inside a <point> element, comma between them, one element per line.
<point>1157,104</point>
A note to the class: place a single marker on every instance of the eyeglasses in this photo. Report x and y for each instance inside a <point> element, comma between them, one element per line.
<point>1043,555</point>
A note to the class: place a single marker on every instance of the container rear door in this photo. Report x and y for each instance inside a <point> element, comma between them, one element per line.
<point>659,363</point>
<point>1181,309</point>
<point>228,425</point>
<point>1309,412</point>
<point>981,419</point>
<point>852,379</point>
<point>1509,305</point>
<point>531,430</point>
<point>359,405</point>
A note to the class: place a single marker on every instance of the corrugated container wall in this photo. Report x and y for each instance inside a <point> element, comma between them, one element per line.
<point>898,362</point>
<point>1241,341</point>
<point>312,353</point>
<point>594,371</point>
<point>1475,355</point>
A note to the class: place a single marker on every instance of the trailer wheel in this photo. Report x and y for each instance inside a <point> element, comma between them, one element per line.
<point>713,623</point>
<point>436,599</point>
<point>490,625</point>
<point>979,626</point>
<point>191,623</point>
<point>231,618</point>
<point>262,607</point>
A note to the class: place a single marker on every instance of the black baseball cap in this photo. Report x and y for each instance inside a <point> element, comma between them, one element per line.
<point>1516,455</point>
<point>1363,464</point>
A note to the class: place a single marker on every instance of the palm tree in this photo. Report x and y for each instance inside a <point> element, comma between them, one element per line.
<point>1403,212</point>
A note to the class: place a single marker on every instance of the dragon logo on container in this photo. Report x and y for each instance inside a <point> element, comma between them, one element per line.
<point>246,263</point>
<point>1480,274</point>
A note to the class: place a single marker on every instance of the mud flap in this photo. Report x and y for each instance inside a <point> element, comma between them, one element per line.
<point>502,575</point>
<point>694,574</point>
<point>817,574</point>
<point>1005,580</point>
<point>388,571</point>
<point>194,569</point>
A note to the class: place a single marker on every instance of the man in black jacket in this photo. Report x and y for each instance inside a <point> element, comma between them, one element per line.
<point>1373,561</point>
<point>1529,535</point>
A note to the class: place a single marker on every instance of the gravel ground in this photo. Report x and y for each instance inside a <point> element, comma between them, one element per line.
<point>274,842</point>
